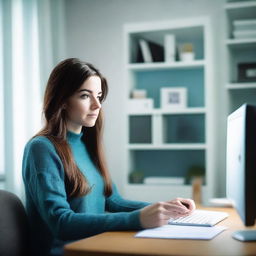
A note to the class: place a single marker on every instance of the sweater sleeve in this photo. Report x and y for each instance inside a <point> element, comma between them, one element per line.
<point>43,175</point>
<point>115,203</point>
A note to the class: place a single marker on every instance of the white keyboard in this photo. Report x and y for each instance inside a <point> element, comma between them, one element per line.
<point>200,218</point>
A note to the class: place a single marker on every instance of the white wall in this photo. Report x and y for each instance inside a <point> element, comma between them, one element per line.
<point>94,31</point>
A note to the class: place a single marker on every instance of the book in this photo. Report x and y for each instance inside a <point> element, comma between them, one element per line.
<point>169,48</point>
<point>139,94</point>
<point>146,54</point>
<point>149,51</point>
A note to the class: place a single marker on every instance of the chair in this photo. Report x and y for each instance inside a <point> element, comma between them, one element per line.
<point>14,227</point>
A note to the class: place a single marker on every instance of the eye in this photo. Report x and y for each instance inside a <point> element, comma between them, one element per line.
<point>100,98</point>
<point>84,96</point>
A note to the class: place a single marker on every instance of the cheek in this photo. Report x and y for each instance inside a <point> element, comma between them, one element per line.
<point>77,109</point>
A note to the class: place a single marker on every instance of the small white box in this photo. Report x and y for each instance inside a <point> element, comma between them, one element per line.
<point>187,56</point>
<point>140,105</point>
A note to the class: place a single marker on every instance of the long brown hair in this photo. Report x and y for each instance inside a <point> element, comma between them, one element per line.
<point>66,78</point>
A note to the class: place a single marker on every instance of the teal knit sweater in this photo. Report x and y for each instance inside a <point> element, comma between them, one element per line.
<point>56,219</point>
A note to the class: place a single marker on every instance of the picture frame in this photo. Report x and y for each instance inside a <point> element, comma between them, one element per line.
<point>173,98</point>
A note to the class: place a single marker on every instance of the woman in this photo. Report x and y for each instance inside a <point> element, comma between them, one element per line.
<point>69,191</point>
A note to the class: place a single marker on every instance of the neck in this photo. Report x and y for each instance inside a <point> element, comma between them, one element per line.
<point>74,137</point>
<point>74,128</point>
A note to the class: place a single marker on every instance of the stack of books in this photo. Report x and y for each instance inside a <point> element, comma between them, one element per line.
<point>244,29</point>
<point>149,51</point>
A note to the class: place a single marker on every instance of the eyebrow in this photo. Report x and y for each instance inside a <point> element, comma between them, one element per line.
<point>88,91</point>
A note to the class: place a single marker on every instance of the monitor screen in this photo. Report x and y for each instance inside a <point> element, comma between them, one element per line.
<point>241,162</point>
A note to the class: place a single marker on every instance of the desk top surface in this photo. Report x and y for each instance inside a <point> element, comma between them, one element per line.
<point>124,243</point>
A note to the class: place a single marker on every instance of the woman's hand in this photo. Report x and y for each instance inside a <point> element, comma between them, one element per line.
<point>188,203</point>
<point>158,214</point>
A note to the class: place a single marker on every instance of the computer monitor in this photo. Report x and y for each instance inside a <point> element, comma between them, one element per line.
<point>241,167</point>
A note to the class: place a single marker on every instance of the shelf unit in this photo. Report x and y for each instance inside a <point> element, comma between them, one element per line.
<point>157,65</point>
<point>239,51</point>
<point>167,143</point>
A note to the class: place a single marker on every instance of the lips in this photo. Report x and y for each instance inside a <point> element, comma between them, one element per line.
<point>92,115</point>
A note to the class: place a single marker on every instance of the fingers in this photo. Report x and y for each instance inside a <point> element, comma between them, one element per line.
<point>188,203</point>
<point>159,213</point>
<point>154,216</point>
<point>175,207</point>
<point>173,213</point>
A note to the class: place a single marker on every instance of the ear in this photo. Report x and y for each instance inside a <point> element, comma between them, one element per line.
<point>64,106</point>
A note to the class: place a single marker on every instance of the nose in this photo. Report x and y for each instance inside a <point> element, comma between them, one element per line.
<point>95,103</point>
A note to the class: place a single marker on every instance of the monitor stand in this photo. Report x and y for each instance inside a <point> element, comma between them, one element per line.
<point>245,235</point>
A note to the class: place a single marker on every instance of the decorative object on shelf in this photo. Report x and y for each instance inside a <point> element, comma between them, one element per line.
<point>139,94</point>
<point>194,171</point>
<point>247,72</point>
<point>139,105</point>
<point>136,177</point>
<point>197,182</point>
<point>154,180</point>
<point>173,98</point>
<point>244,28</point>
<point>186,52</point>
<point>195,176</point>
<point>169,48</point>
<point>149,51</point>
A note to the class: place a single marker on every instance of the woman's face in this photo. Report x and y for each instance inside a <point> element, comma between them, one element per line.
<point>83,106</point>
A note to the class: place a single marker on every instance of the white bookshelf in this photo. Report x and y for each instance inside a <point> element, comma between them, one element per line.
<point>172,146</point>
<point>139,190</point>
<point>163,65</point>
<point>241,86</point>
<point>170,112</point>
<point>238,51</point>
<point>155,139</point>
<point>241,43</point>
<point>242,6</point>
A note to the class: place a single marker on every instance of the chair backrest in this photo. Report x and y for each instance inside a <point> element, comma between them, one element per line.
<point>14,227</point>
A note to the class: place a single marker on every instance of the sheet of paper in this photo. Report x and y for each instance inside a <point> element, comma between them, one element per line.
<point>181,232</point>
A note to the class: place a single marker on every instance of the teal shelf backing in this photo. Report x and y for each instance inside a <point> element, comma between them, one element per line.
<point>184,128</point>
<point>140,129</point>
<point>239,97</point>
<point>154,80</point>
<point>163,163</point>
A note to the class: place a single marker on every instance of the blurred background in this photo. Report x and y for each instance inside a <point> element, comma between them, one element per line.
<point>155,147</point>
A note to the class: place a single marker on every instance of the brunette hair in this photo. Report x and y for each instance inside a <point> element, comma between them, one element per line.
<point>65,79</point>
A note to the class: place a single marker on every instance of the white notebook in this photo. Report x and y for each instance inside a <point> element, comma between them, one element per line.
<point>181,232</point>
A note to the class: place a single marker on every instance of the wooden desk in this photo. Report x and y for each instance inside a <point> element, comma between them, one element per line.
<point>124,243</point>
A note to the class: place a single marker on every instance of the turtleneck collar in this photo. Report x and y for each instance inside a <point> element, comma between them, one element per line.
<point>74,137</point>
